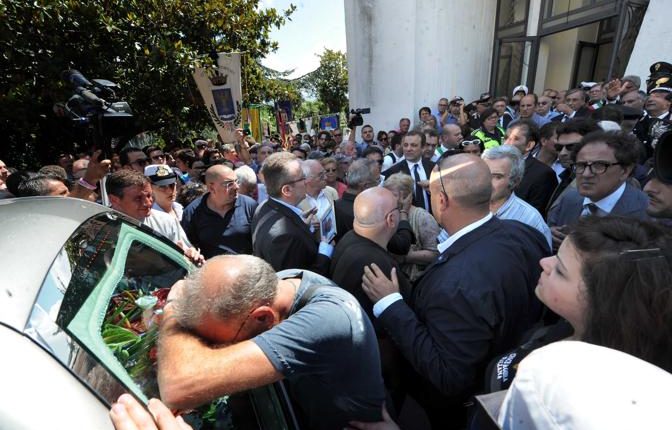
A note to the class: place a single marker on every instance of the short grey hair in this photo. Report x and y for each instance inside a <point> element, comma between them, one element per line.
<point>360,173</point>
<point>306,167</point>
<point>515,158</point>
<point>246,175</point>
<point>255,285</point>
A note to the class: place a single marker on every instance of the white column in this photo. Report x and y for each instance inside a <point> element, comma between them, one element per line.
<point>405,54</point>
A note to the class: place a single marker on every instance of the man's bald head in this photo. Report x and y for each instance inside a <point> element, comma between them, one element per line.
<point>224,287</point>
<point>371,206</point>
<point>216,172</point>
<point>466,180</point>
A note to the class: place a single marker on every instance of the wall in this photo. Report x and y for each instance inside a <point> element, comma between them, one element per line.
<point>654,41</point>
<point>405,54</point>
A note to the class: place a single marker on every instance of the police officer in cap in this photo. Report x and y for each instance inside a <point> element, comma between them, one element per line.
<point>656,121</point>
<point>659,186</point>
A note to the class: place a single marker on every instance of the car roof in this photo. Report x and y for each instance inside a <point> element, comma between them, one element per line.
<point>33,231</point>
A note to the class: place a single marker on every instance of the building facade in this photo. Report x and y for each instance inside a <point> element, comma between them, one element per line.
<point>405,54</point>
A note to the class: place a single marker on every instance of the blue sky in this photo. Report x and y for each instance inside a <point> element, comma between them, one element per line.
<point>315,25</point>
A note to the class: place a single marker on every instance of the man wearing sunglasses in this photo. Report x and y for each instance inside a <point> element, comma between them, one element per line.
<point>133,159</point>
<point>568,134</point>
<point>602,163</point>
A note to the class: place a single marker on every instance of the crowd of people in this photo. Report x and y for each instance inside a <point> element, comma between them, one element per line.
<point>430,262</point>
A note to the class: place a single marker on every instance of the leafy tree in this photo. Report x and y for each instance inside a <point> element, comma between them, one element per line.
<point>329,82</point>
<point>148,47</point>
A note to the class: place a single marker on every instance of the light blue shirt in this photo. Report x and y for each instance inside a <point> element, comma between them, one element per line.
<point>324,247</point>
<point>518,209</point>
<point>606,205</point>
<point>382,304</point>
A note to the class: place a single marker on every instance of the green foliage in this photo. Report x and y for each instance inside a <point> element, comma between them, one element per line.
<point>148,47</point>
<point>329,83</point>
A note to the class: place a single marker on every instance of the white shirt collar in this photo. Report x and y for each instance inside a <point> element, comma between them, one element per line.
<point>293,208</point>
<point>443,246</point>
<point>607,204</point>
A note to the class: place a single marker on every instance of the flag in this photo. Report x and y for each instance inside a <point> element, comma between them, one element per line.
<point>329,122</point>
<point>221,91</point>
<point>252,116</point>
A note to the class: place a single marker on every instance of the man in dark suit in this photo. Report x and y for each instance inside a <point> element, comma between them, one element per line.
<point>575,105</point>
<point>416,166</point>
<point>603,163</point>
<point>539,180</point>
<point>280,234</point>
<point>474,302</point>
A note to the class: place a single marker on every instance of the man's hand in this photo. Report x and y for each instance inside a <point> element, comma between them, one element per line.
<point>564,108</point>
<point>376,285</point>
<point>614,89</point>
<point>193,254</point>
<point>424,184</point>
<point>385,424</point>
<point>558,235</point>
<point>405,202</point>
<point>96,170</point>
<point>128,414</point>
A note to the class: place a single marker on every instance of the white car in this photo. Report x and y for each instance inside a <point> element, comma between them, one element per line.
<point>81,287</point>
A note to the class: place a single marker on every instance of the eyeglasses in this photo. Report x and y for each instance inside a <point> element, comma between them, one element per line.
<point>595,167</point>
<point>568,146</point>
<point>443,105</point>
<point>320,175</point>
<point>330,170</point>
<point>392,211</point>
<point>337,134</point>
<point>383,138</point>
<point>230,184</point>
<point>542,103</point>
<point>159,157</point>
<point>140,162</point>
<point>302,178</point>
<point>470,142</point>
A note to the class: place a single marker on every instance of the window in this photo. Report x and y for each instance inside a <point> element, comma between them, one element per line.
<point>97,314</point>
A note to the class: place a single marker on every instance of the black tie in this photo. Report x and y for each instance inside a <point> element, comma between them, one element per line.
<point>592,209</point>
<point>419,192</point>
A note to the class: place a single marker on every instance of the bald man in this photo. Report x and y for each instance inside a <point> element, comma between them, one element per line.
<point>377,215</point>
<point>219,222</point>
<point>235,325</point>
<point>472,304</point>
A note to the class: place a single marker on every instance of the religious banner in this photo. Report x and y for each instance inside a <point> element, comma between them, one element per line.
<point>329,122</point>
<point>309,125</point>
<point>221,91</point>
<point>252,116</point>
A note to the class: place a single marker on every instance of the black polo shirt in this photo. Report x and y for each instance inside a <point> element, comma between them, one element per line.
<point>214,234</point>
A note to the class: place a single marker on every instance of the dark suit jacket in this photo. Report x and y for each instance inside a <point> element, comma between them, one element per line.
<point>537,185</point>
<point>402,167</point>
<point>474,302</point>
<point>399,244</point>
<point>281,238</point>
<point>632,203</point>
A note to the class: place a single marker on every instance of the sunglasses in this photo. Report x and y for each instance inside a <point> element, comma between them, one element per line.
<point>140,162</point>
<point>559,146</point>
<point>330,170</point>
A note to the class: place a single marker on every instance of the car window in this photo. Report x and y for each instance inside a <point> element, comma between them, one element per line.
<point>97,313</point>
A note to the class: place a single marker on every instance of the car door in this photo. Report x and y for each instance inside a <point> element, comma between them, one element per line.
<point>98,311</point>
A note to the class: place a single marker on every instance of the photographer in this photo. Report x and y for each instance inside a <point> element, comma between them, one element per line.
<point>354,120</point>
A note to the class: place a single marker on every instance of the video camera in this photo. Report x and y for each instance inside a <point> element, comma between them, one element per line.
<point>357,119</point>
<point>96,106</point>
